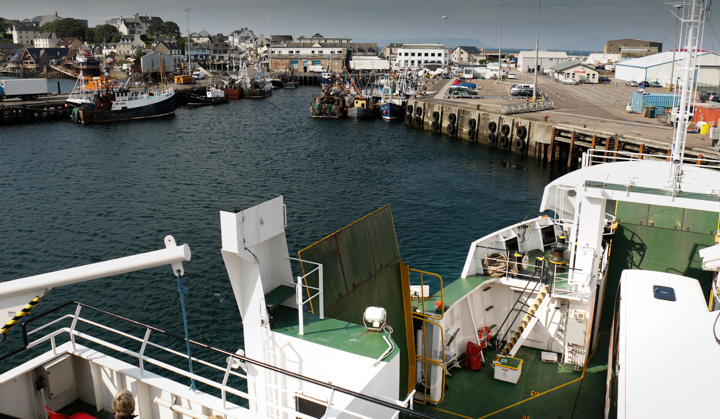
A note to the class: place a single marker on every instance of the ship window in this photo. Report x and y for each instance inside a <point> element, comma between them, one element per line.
<point>663,293</point>
<point>548,235</point>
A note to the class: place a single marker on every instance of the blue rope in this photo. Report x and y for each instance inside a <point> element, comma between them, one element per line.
<point>182,291</point>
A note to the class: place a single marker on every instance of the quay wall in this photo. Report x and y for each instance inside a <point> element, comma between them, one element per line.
<point>542,139</point>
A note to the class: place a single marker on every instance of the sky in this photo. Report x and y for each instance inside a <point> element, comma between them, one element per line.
<point>578,24</point>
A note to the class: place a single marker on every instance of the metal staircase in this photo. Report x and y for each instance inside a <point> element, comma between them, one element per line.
<point>537,308</point>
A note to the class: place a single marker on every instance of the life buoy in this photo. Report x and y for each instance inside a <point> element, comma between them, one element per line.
<point>505,129</point>
<point>436,115</point>
<point>451,129</point>
<point>472,123</point>
<point>492,138</point>
<point>527,100</point>
<point>503,141</point>
<point>471,134</point>
<point>521,132</point>
<point>452,118</point>
<point>492,126</point>
<point>410,109</point>
<point>418,121</point>
<point>418,111</point>
<point>519,144</point>
<point>435,125</point>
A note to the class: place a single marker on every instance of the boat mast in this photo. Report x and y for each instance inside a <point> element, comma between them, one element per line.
<point>692,16</point>
<point>537,47</point>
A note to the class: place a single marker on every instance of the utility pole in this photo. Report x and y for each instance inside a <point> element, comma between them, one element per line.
<point>444,18</point>
<point>270,49</point>
<point>187,46</point>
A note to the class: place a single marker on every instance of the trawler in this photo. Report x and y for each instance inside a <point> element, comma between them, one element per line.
<point>569,314</point>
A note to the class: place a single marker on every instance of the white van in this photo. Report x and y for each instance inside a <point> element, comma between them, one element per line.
<point>316,69</point>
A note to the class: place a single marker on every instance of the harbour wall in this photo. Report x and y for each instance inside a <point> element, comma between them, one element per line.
<point>542,139</point>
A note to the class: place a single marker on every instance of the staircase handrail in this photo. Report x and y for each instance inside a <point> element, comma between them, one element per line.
<point>513,308</point>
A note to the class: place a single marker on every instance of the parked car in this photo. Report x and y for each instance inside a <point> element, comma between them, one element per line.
<point>568,81</point>
<point>655,84</point>
<point>631,83</point>
<point>446,75</point>
<point>517,87</point>
<point>603,79</point>
<point>526,92</point>
<point>511,75</point>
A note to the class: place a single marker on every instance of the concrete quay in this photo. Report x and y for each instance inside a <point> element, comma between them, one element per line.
<point>584,116</point>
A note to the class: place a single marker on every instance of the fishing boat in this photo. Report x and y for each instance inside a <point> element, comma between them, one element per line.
<point>290,81</point>
<point>574,313</point>
<point>392,101</point>
<point>122,104</point>
<point>258,87</point>
<point>213,96</point>
<point>363,107</point>
<point>276,81</point>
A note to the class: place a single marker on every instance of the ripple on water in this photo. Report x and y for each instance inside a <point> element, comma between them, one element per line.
<point>80,194</point>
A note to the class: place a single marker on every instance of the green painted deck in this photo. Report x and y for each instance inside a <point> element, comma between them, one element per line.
<point>333,333</point>
<point>543,390</point>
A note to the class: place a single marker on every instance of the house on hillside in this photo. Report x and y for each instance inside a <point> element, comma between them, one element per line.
<point>128,45</point>
<point>69,42</point>
<point>46,40</point>
<point>25,35</point>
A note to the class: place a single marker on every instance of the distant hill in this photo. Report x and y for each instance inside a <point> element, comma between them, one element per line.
<point>450,43</point>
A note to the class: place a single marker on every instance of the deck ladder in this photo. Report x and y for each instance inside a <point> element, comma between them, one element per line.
<point>537,308</point>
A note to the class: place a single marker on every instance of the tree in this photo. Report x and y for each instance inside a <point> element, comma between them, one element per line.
<point>66,27</point>
<point>103,34</point>
<point>171,29</point>
<point>156,29</point>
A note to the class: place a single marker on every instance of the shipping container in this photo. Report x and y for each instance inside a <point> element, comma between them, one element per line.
<point>708,112</point>
<point>641,100</point>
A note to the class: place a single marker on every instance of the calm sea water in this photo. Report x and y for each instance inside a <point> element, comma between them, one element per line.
<point>72,195</point>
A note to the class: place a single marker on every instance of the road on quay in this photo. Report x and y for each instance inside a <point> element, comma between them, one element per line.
<point>595,107</point>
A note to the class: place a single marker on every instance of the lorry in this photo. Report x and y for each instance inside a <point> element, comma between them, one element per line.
<point>25,89</point>
<point>316,68</point>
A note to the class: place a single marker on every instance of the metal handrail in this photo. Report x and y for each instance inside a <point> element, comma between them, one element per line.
<point>430,361</point>
<point>518,311</point>
<point>398,406</point>
<point>422,314</point>
<point>299,291</point>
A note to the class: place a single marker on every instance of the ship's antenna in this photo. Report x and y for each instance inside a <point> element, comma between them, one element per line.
<point>691,14</point>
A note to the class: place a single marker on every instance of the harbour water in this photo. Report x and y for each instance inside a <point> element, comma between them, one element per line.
<point>73,195</point>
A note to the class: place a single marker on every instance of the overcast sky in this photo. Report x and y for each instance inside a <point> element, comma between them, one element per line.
<point>564,24</point>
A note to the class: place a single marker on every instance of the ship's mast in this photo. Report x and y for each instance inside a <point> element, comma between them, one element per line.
<point>691,14</point>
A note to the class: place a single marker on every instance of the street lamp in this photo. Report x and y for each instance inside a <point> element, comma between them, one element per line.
<point>270,50</point>
<point>187,46</point>
<point>444,40</point>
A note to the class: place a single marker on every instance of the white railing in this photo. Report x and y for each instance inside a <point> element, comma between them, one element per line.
<point>598,156</point>
<point>299,286</point>
<point>233,362</point>
<point>638,176</point>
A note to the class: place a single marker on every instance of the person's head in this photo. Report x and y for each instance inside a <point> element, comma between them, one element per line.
<point>123,404</point>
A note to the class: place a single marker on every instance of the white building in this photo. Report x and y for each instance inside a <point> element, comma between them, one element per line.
<point>659,67</point>
<point>415,56</point>
<point>546,59</point>
<point>46,40</point>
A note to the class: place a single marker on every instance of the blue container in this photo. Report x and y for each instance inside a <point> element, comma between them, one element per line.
<point>640,101</point>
